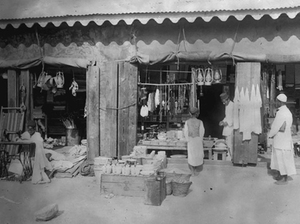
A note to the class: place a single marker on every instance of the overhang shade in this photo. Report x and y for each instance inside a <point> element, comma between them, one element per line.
<point>29,63</point>
<point>43,12</point>
<point>245,50</point>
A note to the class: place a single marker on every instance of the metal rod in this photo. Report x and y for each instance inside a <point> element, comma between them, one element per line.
<point>170,84</point>
<point>170,71</point>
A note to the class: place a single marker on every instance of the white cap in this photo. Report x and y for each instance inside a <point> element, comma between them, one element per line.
<point>282,97</point>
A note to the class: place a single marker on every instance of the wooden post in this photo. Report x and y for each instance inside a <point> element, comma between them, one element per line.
<point>92,101</point>
<point>12,88</point>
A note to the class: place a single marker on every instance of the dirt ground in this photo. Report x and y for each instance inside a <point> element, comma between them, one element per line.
<point>220,194</point>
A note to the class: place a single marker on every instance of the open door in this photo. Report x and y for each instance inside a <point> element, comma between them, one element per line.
<point>118,97</point>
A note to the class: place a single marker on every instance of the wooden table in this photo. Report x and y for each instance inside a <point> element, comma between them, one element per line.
<point>174,147</point>
<point>25,153</point>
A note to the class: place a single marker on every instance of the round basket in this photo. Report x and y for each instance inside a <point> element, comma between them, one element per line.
<point>178,177</point>
<point>182,177</point>
<point>169,188</point>
<point>181,189</point>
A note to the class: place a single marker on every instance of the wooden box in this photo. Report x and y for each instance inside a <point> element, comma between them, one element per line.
<point>122,185</point>
<point>244,152</point>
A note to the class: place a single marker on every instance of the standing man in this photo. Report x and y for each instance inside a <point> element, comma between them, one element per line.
<point>194,133</point>
<point>282,158</point>
<point>227,122</point>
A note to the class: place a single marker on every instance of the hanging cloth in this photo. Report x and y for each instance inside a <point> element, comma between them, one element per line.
<point>242,110</point>
<point>150,102</point>
<point>156,101</point>
<point>247,117</point>
<point>144,111</point>
<point>253,104</point>
<point>236,105</point>
<point>258,128</point>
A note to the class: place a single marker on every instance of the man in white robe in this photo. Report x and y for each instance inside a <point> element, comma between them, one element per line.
<point>41,163</point>
<point>227,122</point>
<point>194,133</point>
<point>282,158</point>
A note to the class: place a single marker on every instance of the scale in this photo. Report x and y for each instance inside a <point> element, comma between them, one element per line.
<point>152,131</point>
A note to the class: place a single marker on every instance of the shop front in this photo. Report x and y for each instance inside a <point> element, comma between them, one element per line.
<point>119,64</point>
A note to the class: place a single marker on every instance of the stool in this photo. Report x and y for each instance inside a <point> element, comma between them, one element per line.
<point>220,153</point>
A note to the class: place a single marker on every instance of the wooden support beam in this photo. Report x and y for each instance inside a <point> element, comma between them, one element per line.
<point>92,102</point>
<point>127,108</point>
<point>12,88</point>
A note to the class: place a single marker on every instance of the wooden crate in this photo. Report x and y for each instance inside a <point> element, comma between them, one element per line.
<point>122,185</point>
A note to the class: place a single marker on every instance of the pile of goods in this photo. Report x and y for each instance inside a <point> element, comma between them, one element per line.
<point>172,138</point>
<point>130,165</point>
<point>67,160</point>
<point>50,143</point>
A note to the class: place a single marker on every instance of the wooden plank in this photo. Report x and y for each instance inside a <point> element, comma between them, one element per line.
<point>127,117</point>
<point>93,123</point>
<point>123,102</point>
<point>123,185</point>
<point>132,118</point>
<point>108,106</point>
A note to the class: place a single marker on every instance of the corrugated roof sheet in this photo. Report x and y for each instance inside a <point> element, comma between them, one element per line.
<point>29,12</point>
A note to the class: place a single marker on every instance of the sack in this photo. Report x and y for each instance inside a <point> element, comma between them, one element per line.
<point>16,167</point>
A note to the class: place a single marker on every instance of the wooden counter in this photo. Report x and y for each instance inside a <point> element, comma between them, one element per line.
<point>166,145</point>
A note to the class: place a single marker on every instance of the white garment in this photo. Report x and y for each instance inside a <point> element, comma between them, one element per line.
<point>227,130</point>
<point>282,157</point>
<point>282,140</point>
<point>156,100</point>
<point>283,161</point>
<point>248,117</point>
<point>40,161</point>
<point>258,105</point>
<point>144,111</point>
<point>242,110</point>
<point>236,109</point>
<point>194,144</point>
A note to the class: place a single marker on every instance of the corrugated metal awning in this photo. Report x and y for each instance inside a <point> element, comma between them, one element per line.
<point>29,12</point>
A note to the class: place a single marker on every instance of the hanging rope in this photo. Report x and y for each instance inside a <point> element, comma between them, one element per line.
<point>184,39</point>
<point>41,49</point>
<point>234,42</point>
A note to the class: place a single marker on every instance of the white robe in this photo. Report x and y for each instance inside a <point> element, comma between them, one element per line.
<point>282,157</point>
<point>40,161</point>
<point>194,143</point>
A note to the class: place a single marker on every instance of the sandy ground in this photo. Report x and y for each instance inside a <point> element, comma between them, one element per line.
<point>221,194</point>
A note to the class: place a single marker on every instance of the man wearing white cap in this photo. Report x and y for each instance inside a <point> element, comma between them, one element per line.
<point>282,158</point>
<point>227,122</point>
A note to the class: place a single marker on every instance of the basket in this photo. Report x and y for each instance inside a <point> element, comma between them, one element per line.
<point>169,189</point>
<point>181,189</point>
